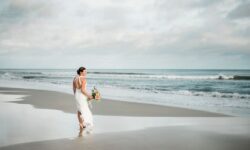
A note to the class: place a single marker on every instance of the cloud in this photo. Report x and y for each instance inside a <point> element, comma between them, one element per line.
<point>124,32</point>
<point>241,11</point>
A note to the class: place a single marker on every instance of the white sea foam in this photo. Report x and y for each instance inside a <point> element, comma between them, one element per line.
<point>138,76</point>
<point>182,90</point>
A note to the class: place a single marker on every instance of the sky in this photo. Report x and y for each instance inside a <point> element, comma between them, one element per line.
<point>125,34</point>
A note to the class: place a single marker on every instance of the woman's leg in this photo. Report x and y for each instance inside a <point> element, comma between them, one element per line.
<point>80,119</point>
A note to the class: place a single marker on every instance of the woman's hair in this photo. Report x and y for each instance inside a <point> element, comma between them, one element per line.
<point>81,69</point>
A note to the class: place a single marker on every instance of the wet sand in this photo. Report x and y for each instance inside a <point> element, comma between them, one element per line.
<point>65,102</point>
<point>128,125</point>
<point>174,138</point>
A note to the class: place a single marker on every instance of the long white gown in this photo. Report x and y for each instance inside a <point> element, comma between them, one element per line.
<point>83,107</point>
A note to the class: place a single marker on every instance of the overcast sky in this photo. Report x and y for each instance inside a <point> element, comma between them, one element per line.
<point>125,34</point>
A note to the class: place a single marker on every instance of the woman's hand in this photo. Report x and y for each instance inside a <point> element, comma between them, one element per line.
<point>90,97</point>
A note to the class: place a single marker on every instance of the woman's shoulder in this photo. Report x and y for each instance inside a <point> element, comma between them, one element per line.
<point>83,79</point>
<point>75,77</point>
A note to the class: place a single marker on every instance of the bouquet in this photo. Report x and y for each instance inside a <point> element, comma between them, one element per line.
<point>96,94</point>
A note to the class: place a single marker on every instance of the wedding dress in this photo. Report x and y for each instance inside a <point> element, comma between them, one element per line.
<point>82,106</point>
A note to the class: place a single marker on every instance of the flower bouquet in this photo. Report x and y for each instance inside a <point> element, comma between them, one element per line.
<point>96,94</point>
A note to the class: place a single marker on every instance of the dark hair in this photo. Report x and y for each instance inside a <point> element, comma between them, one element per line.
<point>81,69</point>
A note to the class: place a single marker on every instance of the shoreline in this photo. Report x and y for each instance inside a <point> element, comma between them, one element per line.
<point>66,103</point>
<point>202,103</point>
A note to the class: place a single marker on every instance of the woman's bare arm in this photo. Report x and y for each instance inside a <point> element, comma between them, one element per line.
<point>74,86</point>
<point>83,89</point>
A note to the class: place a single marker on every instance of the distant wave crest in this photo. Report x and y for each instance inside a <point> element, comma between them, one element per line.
<point>211,94</point>
<point>241,77</point>
<point>33,77</point>
<point>170,77</point>
<point>117,73</point>
<point>123,75</point>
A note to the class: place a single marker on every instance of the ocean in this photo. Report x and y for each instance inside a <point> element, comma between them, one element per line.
<point>223,91</point>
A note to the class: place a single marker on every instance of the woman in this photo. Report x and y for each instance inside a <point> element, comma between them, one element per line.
<point>84,114</point>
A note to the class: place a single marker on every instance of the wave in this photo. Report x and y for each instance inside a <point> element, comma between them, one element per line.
<point>142,76</point>
<point>33,73</point>
<point>34,77</point>
<point>213,77</point>
<point>236,77</point>
<point>118,73</point>
<point>9,75</point>
<point>170,77</point>
<point>211,94</point>
<point>189,77</point>
<point>207,93</point>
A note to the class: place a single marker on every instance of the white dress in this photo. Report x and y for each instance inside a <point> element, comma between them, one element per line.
<point>83,107</point>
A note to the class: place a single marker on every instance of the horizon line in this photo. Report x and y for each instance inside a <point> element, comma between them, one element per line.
<point>130,68</point>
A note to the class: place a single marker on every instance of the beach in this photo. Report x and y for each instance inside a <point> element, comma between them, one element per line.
<point>172,75</point>
<point>42,119</point>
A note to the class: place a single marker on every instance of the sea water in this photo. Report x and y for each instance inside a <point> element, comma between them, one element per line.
<point>224,91</point>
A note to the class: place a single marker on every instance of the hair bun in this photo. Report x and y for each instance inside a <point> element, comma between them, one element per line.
<point>81,69</point>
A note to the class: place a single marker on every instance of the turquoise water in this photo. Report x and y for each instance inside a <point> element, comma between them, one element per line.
<point>228,89</point>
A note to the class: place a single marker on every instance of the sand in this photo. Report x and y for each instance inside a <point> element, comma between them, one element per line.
<point>174,138</point>
<point>50,123</point>
<point>65,102</point>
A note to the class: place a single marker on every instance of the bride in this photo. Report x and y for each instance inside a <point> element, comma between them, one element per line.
<point>84,114</point>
